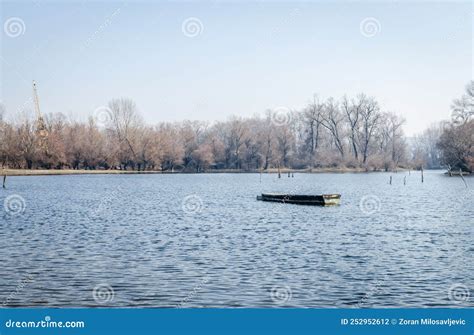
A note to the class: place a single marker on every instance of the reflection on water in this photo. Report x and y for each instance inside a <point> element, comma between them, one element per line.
<point>204,241</point>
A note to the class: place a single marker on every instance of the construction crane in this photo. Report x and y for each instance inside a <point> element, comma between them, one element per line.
<point>41,130</point>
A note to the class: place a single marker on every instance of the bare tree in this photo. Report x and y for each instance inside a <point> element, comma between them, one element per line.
<point>2,112</point>
<point>191,133</point>
<point>394,128</point>
<point>457,141</point>
<point>463,108</point>
<point>457,146</point>
<point>332,120</point>
<point>353,110</point>
<point>319,135</point>
<point>284,139</point>
<point>267,142</point>
<point>370,116</point>
<point>126,123</point>
<point>27,144</point>
<point>236,136</point>
<point>424,147</point>
<point>312,117</point>
<point>172,148</point>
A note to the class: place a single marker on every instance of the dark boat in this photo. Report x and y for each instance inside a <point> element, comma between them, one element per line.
<point>314,200</point>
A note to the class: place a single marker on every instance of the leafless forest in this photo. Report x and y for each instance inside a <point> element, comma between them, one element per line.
<point>349,132</point>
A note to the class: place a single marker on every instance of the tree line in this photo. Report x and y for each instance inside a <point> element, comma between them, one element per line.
<point>336,133</point>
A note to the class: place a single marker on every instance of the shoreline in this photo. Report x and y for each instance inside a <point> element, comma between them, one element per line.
<point>25,172</point>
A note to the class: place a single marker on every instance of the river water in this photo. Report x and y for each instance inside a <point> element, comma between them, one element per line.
<point>202,240</point>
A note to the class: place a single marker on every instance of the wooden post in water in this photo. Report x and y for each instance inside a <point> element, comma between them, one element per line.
<point>288,174</point>
<point>279,174</point>
<point>422,178</point>
<point>390,180</point>
<point>292,175</point>
<point>405,180</point>
<point>4,180</point>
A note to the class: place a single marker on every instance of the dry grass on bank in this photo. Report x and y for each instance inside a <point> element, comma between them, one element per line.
<point>25,172</point>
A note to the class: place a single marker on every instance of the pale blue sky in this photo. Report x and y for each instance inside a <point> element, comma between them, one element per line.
<point>248,57</point>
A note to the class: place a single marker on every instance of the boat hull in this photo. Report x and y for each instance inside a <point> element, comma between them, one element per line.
<point>311,200</point>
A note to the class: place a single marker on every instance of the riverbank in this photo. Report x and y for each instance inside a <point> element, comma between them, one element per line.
<point>20,172</point>
<point>25,172</point>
